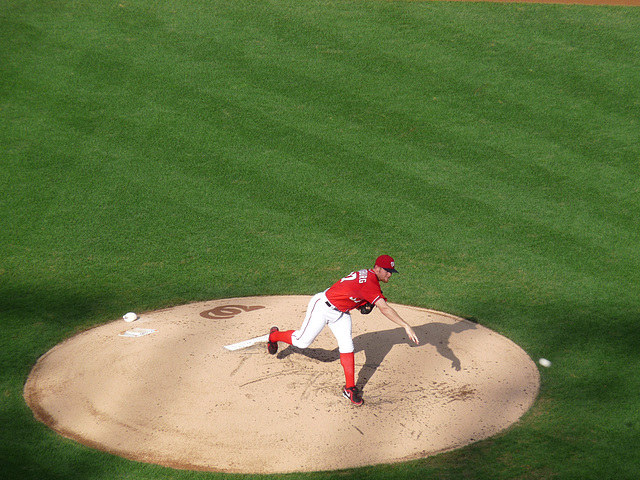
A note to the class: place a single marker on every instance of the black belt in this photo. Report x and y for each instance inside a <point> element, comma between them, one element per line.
<point>330,305</point>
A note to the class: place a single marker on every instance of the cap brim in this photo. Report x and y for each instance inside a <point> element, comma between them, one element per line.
<point>391,270</point>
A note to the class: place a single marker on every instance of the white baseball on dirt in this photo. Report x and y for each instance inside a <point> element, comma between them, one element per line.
<point>544,362</point>
<point>130,317</point>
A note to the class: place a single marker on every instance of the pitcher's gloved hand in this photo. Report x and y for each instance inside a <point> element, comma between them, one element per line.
<point>366,308</point>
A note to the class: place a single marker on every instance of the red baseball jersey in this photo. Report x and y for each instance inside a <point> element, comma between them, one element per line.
<point>355,289</point>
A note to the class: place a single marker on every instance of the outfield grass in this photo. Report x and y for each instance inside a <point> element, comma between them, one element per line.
<point>158,153</point>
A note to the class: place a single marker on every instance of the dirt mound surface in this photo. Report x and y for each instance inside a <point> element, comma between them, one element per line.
<point>175,396</point>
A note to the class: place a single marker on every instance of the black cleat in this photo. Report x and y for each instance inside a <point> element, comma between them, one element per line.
<point>353,395</point>
<point>272,347</point>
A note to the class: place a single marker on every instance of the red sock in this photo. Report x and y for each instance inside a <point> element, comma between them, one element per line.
<point>347,360</point>
<point>281,336</point>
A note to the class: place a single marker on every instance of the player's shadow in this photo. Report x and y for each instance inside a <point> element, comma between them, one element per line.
<point>376,346</point>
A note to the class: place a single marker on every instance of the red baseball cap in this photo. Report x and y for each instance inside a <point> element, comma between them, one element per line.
<point>386,262</point>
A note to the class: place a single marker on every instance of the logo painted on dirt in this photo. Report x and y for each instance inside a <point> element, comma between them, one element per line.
<point>228,311</point>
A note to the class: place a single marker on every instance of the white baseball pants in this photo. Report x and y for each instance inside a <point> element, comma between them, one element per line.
<point>318,315</point>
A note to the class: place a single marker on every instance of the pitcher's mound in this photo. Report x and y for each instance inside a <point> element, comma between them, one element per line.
<point>176,397</point>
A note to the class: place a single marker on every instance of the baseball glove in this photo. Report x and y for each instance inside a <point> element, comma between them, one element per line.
<point>366,308</point>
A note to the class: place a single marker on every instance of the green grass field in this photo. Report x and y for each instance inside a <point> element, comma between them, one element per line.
<point>159,153</point>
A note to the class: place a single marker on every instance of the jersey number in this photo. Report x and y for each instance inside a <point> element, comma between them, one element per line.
<point>361,276</point>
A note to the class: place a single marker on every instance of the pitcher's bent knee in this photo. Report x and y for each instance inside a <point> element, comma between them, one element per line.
<point>300,342</point>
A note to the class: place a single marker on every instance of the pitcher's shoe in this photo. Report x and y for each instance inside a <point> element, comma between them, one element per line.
<point>272,347</point>
<point>353,395</point>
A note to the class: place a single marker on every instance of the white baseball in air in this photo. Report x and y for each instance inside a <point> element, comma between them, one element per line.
<point>544,362</point>
<point>130,317</point>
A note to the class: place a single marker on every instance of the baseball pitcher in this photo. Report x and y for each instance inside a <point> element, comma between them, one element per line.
<point>359,290</point>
